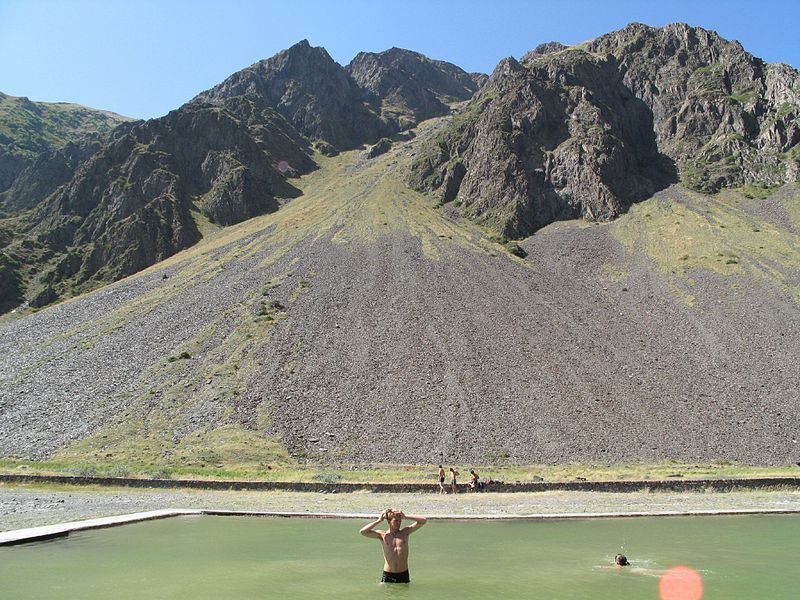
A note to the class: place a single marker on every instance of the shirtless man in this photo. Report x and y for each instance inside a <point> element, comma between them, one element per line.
<point>453,482</point>
<point>394,543</point>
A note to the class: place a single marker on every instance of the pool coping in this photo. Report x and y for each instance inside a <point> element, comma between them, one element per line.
<point>48,532</point>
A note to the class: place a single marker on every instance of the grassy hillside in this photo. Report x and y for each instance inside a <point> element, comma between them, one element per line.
<point>361,325</point>
<point>30,128</point>
<point>727,234</point>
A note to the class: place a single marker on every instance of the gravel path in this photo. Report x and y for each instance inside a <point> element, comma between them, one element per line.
<point>22,507</point>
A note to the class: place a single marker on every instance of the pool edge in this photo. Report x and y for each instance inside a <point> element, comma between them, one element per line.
<point>46,532</point>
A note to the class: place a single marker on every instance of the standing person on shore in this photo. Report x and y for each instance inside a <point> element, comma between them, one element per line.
<point>473,481</point>
<point>394,542</point>
<point>441,480</point>
<point>453,483</point>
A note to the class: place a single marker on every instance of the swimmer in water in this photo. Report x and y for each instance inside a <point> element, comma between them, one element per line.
<point>620,560</point>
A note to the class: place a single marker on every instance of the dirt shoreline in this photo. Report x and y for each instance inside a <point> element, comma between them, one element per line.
<point>32,506</point>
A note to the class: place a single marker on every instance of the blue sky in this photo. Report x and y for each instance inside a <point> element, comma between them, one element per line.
<point>144,58</point>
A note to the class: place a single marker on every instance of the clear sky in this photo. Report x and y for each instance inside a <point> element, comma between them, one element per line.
<point>143,58</point>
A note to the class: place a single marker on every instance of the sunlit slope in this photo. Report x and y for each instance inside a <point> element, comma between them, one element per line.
<point>360,323</point>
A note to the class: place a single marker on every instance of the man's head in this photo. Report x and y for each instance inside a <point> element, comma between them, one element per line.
<point>621,560</point>
<point>395,518</point>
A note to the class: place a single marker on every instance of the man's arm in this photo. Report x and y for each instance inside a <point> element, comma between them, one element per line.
<point>418,522</point>
<point>369,529</point>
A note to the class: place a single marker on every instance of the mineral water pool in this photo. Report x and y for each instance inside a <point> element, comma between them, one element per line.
<point>221,557</point>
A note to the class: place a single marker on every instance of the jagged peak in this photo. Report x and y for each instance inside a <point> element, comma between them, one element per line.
<point>549,48</point>
<point>399,50</point>
<point>506,67</point>
<point>690,34</point>
<point>303,51</point>
<point>391,55</point>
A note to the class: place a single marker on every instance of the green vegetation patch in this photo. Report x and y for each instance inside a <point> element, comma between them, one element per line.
<point>276,466</point>
<point>228,450</point>
<point>744,96</point>
<point>29,128</point>
<point>712,233</point>
<point>757,190</point>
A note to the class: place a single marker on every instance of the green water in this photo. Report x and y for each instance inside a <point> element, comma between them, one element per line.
<point>750,557</point>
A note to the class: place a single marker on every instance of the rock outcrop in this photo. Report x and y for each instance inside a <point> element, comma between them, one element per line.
<point>555,140</point>
<point>47,172</point>
<point>586,131</point>
<point>724,116</point>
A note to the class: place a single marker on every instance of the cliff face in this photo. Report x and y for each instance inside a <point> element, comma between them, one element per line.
<point>49,171</point>
<point>376,95</point>
<point>724,116</point>
<point>558,139</point>
<point>586,131</point>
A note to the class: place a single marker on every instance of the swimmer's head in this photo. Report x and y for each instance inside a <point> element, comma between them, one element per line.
<point>621,560</point>
<point>395,518</point>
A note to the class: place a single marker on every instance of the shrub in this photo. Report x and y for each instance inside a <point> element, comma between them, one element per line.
<point>85,471</point>
<point>327,477</point>
<point>120,471</point>
<point>161,474</point>
<point>182,356</point>
<point>515,249</point>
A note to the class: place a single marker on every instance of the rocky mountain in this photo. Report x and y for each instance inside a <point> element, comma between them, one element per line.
<point>29,129</point>
<point>101,211</point>
<point>589,130</point>
<point>662,326</point>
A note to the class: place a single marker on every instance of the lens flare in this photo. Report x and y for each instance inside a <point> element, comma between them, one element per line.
<point>681,583</point>
<point>283,166</point>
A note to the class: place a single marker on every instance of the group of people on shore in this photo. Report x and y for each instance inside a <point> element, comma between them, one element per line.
<point>473,484</point>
